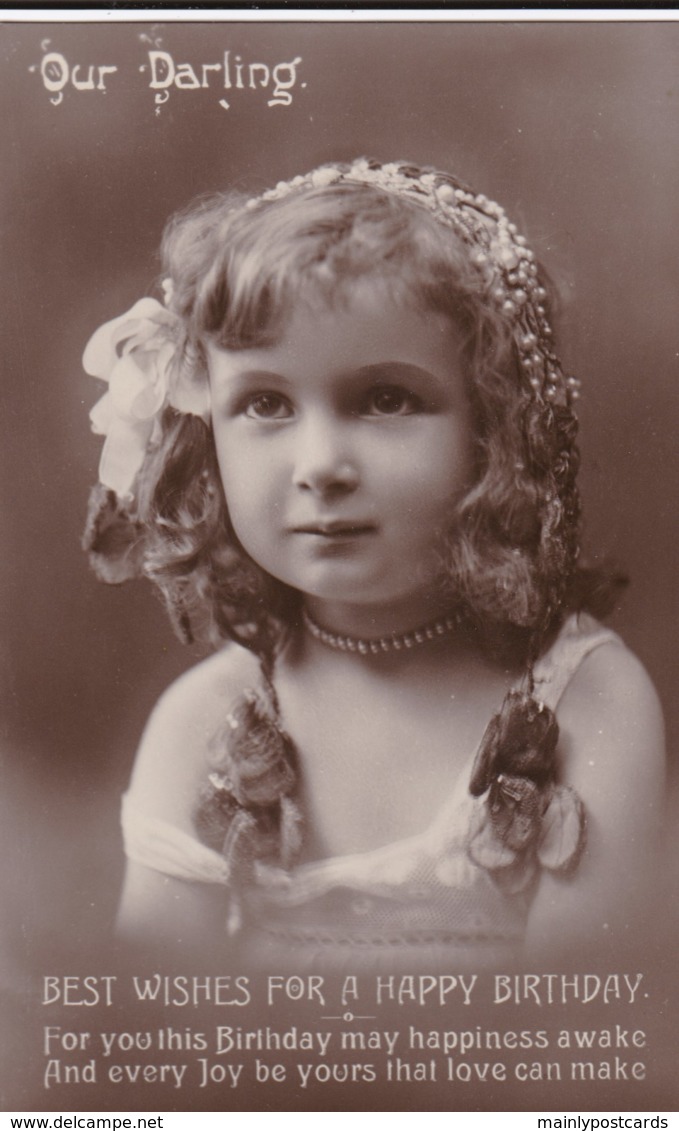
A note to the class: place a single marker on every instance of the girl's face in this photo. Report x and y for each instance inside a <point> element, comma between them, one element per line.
<point>343,450</point>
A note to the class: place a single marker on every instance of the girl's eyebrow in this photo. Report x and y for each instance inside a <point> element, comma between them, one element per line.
<point>403,370</point>
<point>258,375</point>
<point>374,367</point>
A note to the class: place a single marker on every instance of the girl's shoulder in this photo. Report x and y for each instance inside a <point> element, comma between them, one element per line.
<point>612,726</point>
<point>612,753</point>
<point>173,756</point>
<point>579,637</point>
<point>589,667</point>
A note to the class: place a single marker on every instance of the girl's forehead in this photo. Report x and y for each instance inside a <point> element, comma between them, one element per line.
<point>379,287</point>
<point>370,326</point>
<point>364,307</point>
<point>368,317</point>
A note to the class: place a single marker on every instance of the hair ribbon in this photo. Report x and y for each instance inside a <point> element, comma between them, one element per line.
<point>137,355</point>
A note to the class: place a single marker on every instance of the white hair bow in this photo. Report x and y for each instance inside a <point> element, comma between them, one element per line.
<point>136,354</point>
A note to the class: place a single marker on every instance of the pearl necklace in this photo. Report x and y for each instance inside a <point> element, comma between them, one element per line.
<point>395,642</point>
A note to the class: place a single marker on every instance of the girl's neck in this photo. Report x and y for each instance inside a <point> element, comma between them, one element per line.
<point>436,639</point>
<point>372,623</point>
<point>428,633</point>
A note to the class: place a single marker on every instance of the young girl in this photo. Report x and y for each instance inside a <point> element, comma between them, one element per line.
<point>344,449</point>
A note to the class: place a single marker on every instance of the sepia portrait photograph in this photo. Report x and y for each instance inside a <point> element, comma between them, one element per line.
<point>340,404</point>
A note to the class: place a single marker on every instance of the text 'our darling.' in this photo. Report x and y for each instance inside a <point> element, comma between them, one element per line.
<point>275,82</point>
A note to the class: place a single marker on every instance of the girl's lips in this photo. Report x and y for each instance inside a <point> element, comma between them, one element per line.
<point>335,529</point>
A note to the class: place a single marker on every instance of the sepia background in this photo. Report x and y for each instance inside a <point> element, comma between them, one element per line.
<point>574,127</point>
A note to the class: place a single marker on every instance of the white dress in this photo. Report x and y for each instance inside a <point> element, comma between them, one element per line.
<point>420,901</point>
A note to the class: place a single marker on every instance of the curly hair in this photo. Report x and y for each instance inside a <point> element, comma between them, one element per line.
<point>510,559</point>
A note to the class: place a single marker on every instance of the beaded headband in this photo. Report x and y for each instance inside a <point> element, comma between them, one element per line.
<point>137,352</point>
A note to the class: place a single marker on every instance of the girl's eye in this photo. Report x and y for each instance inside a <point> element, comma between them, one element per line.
<point>391,400</point>
<point>267,406</point>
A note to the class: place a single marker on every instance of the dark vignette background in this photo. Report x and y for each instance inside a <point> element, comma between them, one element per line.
<point>574,127</point>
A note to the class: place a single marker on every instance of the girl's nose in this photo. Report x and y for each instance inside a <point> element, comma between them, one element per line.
<point>323,462</point>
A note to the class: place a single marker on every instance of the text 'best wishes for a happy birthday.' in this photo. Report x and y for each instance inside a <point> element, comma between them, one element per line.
<point>429,990</point>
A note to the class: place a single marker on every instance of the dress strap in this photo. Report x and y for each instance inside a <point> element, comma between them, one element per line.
<point>580,635</point>
<point>159,845</point>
